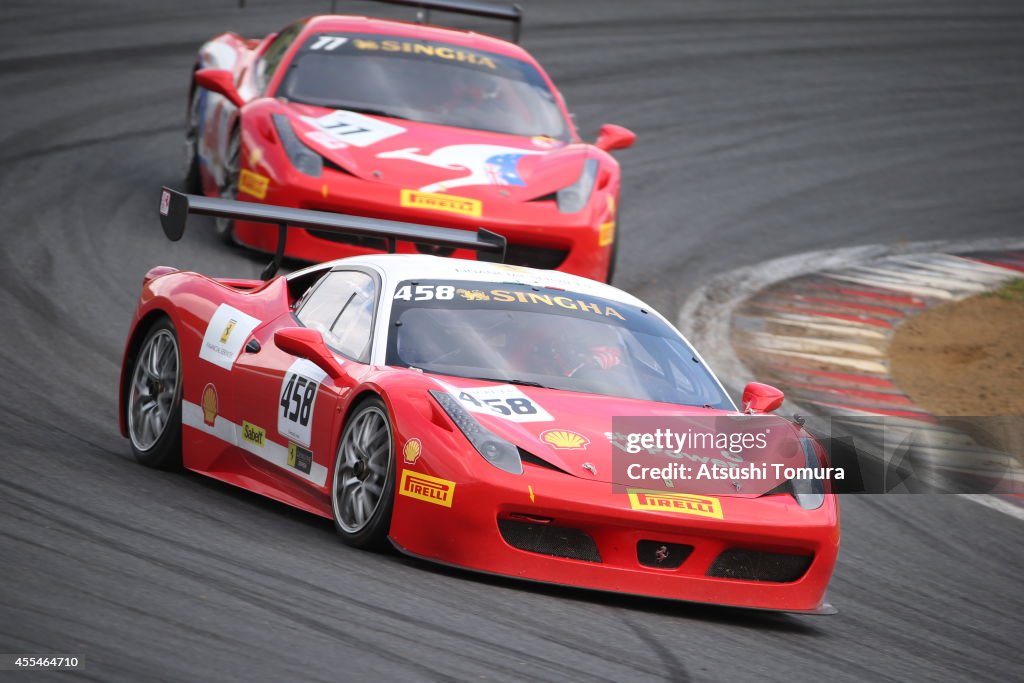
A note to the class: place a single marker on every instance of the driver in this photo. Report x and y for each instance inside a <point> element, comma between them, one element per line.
<point>595,346</point>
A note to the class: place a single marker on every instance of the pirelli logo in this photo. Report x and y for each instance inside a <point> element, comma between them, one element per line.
<point>683,503</point>
<point>442,202</point>
<point>425,487</point>
<point>253,184</point>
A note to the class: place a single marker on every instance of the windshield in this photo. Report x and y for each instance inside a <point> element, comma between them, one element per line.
<point>424,81</point>
<point>545,337</point>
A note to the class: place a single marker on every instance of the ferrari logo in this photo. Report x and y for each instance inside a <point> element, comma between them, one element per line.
<point>227,331</point>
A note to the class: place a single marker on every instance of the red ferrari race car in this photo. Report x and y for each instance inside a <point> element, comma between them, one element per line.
<point>402,121</point>
<point>460,410</point>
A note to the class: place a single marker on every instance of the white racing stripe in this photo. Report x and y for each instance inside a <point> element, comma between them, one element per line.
<point>840,327</point>
<point>229,432</point>
<point>884,283</point>
<point>904,274</point>
<point>855,363</point>
<point>811,345</point>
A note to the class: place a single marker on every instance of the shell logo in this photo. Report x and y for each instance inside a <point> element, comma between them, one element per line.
<point>210,404</point>
<point>564,439</point>
<point>411,452</point>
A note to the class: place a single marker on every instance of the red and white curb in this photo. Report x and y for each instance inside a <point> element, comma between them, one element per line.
<point>820,324</point>
<point>825,336</point>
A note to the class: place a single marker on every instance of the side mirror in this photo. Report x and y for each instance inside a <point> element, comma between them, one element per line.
<point>309,344</point>
<point>220,81</point>
<point>614,137</point>
<point>761,398</point>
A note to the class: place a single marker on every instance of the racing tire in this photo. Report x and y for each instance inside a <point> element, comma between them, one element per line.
<point>225,227</point>
<point>193,181</point>
<point>153,398</point>
<point>363,487</point>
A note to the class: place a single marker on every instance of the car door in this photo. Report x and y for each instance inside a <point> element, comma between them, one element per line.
<point>293,405</point>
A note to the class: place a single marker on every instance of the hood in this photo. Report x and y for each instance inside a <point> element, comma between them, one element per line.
<point>435,158</point>
<point>574,433</point>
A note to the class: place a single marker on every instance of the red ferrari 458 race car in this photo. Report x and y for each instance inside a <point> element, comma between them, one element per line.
<point>462,411</point>
<point>402,121</point>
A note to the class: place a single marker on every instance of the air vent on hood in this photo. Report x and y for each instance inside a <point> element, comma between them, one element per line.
<point>335,167</point>
<point>532,459</point>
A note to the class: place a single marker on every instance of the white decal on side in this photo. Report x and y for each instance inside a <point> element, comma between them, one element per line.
<point>298,398</point>
<point>227,332</point>
<point>354,129</point>
<point>505,401</point>
<point>230,432</point>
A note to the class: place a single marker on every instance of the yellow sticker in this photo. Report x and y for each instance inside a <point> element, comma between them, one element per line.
<point>565,439</point>
<point>438,51</point>
<point>425,487</point>
<point>442,202</point>
<point>684,503</point>
<point>257,436</point>
<point>606,234</point>
<point>227,330</point>
<point>412,451</point>
<point>508,296</point>
<point>210,404</point>
<point>253,184</point>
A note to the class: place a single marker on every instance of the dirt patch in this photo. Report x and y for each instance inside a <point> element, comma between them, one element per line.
<point>965,358</point>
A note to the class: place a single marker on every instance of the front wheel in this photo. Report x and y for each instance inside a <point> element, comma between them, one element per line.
<point>364,484</point>
<point>154,399</point>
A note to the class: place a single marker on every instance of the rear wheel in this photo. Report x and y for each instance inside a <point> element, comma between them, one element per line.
<point>229,186</point>
<point>154,399</point>
<point>364,484</point>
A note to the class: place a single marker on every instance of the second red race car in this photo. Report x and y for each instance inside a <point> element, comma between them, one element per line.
<point>402,121</point>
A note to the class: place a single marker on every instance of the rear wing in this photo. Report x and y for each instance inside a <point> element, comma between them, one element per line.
<point>512,13</point>
<point>176,206</point>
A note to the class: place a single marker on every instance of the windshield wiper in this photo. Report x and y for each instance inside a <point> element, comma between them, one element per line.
<point>520,382</point>
<point>371,111</point>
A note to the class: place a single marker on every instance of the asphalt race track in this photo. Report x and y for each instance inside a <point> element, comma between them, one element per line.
<point>764,129</point>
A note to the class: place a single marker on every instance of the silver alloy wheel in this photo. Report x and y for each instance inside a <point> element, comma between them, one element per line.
<point>229,188</point>
<point>154,388</point>
<point>362,469</point>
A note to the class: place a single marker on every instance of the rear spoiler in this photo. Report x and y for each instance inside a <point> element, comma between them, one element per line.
<point>513,13</point>
<point>176,206</point>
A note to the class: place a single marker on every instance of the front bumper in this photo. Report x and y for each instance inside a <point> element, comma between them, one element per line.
<point>467,535</point>
<point>538,234</point>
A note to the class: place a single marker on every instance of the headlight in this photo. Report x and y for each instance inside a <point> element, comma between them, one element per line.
<point>494,449</point>
<point>302,157</point>
<point>573,198</point>
<point>810,493</point>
